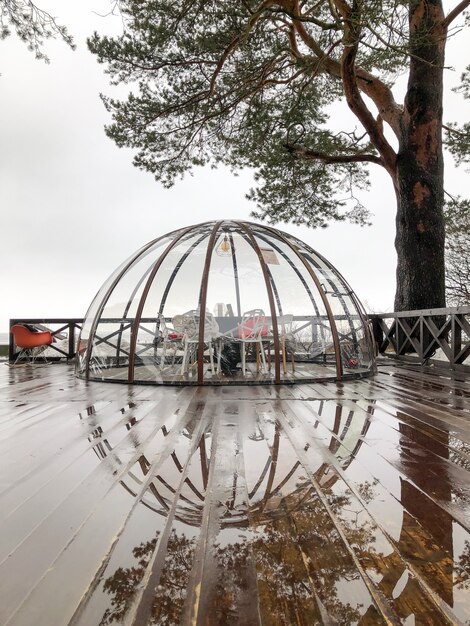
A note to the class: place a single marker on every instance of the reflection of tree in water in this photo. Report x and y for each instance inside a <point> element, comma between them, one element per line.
<point>172,588</point>
<point>124,582</point>
<point>427,528</point>
<point>292,553</point>
<point>462,569</point>
<point>231,563</point>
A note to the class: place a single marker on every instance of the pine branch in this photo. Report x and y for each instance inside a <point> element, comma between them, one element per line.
<point>307,154</point>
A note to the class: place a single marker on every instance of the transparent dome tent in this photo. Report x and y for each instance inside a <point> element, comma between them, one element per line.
<point>227,302</point>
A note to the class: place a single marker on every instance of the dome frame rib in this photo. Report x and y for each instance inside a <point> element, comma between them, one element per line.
<point>203,301</point>
<point>264,269</point>
<point>235,275</point>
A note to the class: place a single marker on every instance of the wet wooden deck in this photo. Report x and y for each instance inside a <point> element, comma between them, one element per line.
<point>311,504</point>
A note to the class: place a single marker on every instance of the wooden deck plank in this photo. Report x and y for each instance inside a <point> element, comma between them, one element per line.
<point>315,503</point>
<point>217,591</point>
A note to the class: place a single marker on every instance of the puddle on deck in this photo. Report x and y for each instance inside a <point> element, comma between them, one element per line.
<point>235,507</point>
<point>322,515</point>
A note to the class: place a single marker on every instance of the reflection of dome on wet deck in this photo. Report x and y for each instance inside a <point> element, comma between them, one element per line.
<point>274,311</point>
<point>273,482</point>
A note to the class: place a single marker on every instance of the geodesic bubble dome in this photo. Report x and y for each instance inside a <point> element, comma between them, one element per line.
<point>225,302</point>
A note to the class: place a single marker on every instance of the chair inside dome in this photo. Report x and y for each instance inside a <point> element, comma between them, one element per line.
<point>225,302</point>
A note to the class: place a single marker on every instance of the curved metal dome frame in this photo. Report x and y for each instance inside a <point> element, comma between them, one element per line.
<point>306,258</point>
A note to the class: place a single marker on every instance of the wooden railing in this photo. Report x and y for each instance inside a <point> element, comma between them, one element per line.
<point>437,336</point>
<point>64,330</point>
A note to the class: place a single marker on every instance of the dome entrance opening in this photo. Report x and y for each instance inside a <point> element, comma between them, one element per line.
<point>226,302</point>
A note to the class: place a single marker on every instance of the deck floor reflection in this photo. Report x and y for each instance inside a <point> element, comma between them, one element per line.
<point>171,374</point>
<point>322,503</point>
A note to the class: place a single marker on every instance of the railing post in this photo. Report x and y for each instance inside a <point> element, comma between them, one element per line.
<point>11,342</point>
<point>377,334</point>
<point>456,338</point>
<point>421,337</point>
<point>71,327</point>
<point>399,334</point>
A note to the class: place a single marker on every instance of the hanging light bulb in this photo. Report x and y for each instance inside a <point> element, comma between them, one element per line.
<point>225,247</point>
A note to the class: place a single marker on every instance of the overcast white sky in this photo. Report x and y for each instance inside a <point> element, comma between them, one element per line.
<point>72,205</point>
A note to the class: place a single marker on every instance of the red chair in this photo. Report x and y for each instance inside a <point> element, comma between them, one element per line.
<point>32,343</point>
<point>253,329</point>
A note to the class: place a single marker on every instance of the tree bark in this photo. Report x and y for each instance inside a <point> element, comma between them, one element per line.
<point>420,231</point>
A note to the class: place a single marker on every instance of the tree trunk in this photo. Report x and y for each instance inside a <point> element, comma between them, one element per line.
<point>420,170</point>
<point>419,237</point>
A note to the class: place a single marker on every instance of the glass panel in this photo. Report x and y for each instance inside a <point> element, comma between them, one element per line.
<point>148,351</point>
<point>125,297</point>
<point>168,318</point>
<point>355,343</point>
<point>238,300</point>
<point>110,355</point>
<point>110,351</point>
<point>94,308</point>
<point>306,340</point>
<point>356,349</point>
<point>223,309</point>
